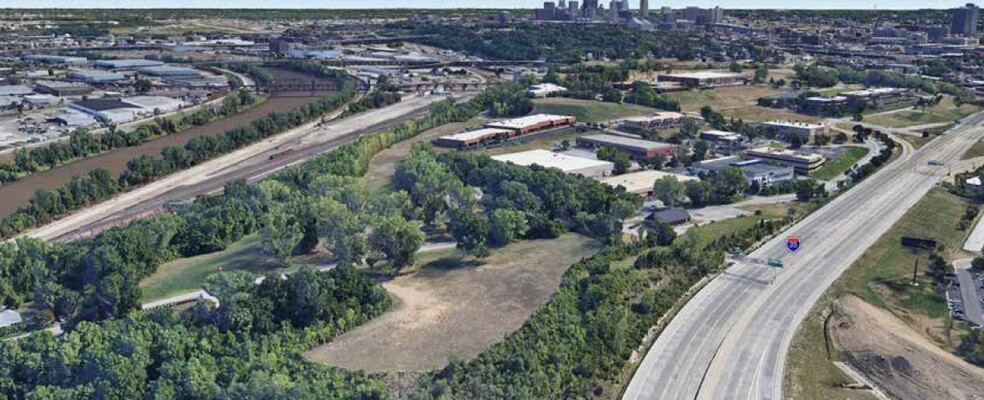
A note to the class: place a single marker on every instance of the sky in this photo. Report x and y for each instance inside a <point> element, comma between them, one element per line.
<point>655,4</point>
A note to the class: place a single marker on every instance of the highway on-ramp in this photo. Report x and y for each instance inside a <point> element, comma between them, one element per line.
<point>730,341</point>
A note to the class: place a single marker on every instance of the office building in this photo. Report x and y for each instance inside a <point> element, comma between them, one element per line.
<point>878,97</point>
<point>755,169</point>
<point>644,9</point>
<point>802,163</point>
<point>822,105</point>
<point>704,16</point>
<point>963,21</point>
<point>590,9</point>
<point>790,129</point>
<point>572,165</point>
<point>636,148</point>
<point>722,137</point>
<point>660,120</point>
<point>706,79</point>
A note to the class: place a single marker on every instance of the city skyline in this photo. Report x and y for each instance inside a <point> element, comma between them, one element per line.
<point>489,4</point>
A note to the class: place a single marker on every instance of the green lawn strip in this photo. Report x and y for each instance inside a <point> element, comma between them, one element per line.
<point>836,167</point>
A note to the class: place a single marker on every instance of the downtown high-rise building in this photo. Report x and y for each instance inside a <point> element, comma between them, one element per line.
<point>963,21</point>
<point>644,9</point>
<point>589,9</point>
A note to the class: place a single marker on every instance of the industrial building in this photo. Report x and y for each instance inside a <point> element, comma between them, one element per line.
<point>572,165</point>
<point>790,129</point>
<point>803,163</point>
<point>660,120</point>
<point>49,59</point>
<point>723,137</point>
<point>641,182</point>
<point>531,123</point>
<point>200,81</point>
<point>129,109</point>
<point>706,79</point>
<point>15,90</point>
<point>127,64</point>
<point>169,71</point>
<point>112,111</point>
<point>474,138</point>
<point>155,104</point>
<point>60,88</point>
<point>878,97</point>
<point>93,76</point>
<point>637,148</point>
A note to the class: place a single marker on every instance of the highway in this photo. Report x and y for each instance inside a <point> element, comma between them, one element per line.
<point>251,163</point>
<point>731,340</point>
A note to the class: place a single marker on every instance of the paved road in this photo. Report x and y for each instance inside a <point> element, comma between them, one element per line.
<point>730,341</point>
<point>975,242</point>
<point>968,291</point>
<point>251,163</point>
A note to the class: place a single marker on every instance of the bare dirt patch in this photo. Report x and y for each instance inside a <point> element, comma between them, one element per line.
<point>456,307</point>
<point>898,359</point>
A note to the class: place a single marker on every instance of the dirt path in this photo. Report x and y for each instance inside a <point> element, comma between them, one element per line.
<point>452,308</point>
<point>899,360</point>
<point>383,165</point>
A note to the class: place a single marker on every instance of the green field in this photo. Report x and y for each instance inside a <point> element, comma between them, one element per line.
<point>836,167</point>
<point>187,274</point>
<point>881,277</point>
<point>975,150</point>
<point>946,111</point>
<point>590,110</point>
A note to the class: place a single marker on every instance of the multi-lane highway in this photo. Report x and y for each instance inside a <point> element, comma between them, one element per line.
<point>730,341</point>
<point>250,163</point>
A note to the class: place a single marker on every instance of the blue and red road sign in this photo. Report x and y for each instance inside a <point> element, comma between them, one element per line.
<point>793,244</point>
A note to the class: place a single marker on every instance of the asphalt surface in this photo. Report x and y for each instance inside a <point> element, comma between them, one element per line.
<point>730,341</point>
<point>968,291</point>
<point>251,167</point>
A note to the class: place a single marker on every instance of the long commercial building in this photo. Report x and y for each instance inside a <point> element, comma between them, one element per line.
<point>879,97</point>
<point>530,123</point>
<point>802,130</point>
<point>660,120</point>
<point>637,148</point>
<point>803,163</point>
<point>572,165</point>
<point>474,138</point>
<point>706,79</point>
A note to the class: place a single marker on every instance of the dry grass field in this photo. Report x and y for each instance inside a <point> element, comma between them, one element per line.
<point>455,306</point>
